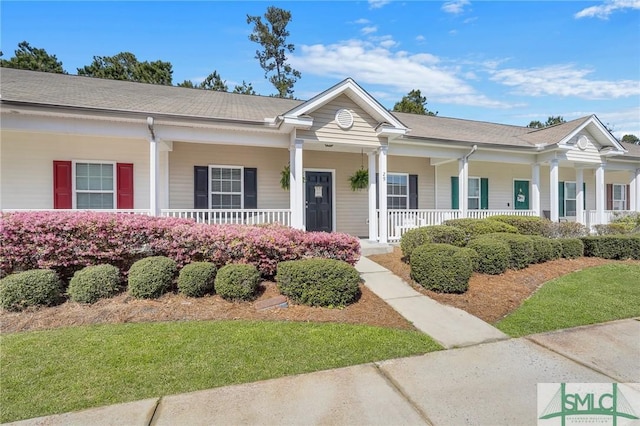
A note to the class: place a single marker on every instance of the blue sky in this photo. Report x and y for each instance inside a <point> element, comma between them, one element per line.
<point>508,62</point>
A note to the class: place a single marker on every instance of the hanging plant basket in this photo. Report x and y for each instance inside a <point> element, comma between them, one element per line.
<point>359,180</point>
<point>284,177</point>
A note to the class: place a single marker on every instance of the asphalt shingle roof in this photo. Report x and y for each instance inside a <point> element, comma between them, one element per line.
<point>86,92</point>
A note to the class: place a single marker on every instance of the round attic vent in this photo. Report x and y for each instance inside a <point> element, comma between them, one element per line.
<point>583,142</point>
<point>344,118</point>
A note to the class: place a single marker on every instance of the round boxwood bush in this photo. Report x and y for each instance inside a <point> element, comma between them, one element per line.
<point>37,287</point>
<point>556,248</point>
<point>477,227</point>
<point>152,276</point>
<point>543,249</point>
<point>93,283</point>
<point>431,234</point>
<point>237,282</point>
<point>527,225</point>
<point>493,255</point>
<point>197,279</point>
<point>318,282</point>
<point>572,248</point>
<point>442,267</point>
<point>521,248</point>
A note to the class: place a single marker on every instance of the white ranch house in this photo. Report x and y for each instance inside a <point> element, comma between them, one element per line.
<point>71,142</point>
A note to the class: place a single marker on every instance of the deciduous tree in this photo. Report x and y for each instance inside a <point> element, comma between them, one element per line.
<point>272,36</point>
<point>631,139</point>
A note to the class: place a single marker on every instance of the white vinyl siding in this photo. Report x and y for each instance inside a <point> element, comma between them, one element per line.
<point>397,191</point>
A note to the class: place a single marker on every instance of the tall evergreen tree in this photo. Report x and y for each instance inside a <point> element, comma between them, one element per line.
<point>31,58</point>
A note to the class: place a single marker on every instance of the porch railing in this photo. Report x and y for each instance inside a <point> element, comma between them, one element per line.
<point>591,216</point>
<point>124,211</point>
<point>400,221</point>
<point>236,216</point>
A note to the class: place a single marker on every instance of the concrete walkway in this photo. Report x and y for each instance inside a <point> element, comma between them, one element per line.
<point>449,326</point>
<point>488,384</point>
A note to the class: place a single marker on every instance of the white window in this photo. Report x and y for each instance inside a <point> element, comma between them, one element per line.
<point>94,185</point>
<point>397,191</point>
<point>619,197</point>
<point>569,198</point>
<point>474,194</point>
<point>226,187</point>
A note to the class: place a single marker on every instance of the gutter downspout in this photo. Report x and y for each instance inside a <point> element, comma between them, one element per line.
<point>153,169</point>
<point>463,182</point>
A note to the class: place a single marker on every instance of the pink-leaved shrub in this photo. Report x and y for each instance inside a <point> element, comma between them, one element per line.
<point>68,241</point>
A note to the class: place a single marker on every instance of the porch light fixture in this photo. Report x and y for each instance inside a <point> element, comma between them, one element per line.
<point>328,145</point>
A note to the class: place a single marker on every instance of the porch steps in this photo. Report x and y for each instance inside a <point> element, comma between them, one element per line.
<point>369,248</point>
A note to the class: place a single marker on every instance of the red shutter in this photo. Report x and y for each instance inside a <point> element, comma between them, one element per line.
<point>609,196</point>
<point>62,188</point>
<point>628,197</point>
<point>125,186</point>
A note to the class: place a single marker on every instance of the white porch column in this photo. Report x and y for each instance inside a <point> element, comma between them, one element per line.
<point>634,201</point>
<point>153,176</point>
<point>463,186</point>
<point>373,214</point>
<point>535,188</point>
<point>382,190</point>
<point>600,194</point>
<point>553,190</point>
<point>299,184</point>
<point>580,196</point>
<point>292,184</point>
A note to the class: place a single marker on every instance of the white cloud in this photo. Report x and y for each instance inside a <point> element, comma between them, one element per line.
<point>455,6</point>
<point>374,64</point>
<point>624,122</point>
<point>377,4</point>
<point>563,80</point>
<point>453,32</point>
<point>369,30</point>
<point>470,20</point>
<point>362,21</point>
<point>603,11</point>
<point>420,38</point>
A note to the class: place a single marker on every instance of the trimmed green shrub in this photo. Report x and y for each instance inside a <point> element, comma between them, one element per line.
<point>37,287</point>
<point>543,249</point>
<point>521,249</point>
<point>613,229</point>
<point>442,267</point>
<point>476,227</point>
<point>150,277</point>
<point>526,225</point>
<point>197,279</point>
<point>556,245</point>
<point>612,246</point>
<point>319,282</point>
<point>568,230</point>
<point>630,221</point>
<point>493,255</point>
<point>431,234</point>
<point>93,283</point>
<point>237,281</point>
<point>572,248</point>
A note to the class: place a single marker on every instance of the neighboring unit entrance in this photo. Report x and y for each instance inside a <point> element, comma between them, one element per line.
<point>319,199</point>
<point>521,194</point>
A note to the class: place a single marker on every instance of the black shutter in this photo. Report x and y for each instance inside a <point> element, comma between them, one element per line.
<point>200,187</point>
<point>250,188</point>
<point>413,192</point>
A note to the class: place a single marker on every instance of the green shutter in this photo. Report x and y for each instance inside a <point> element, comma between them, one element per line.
<point>454,192</point>
<point>560,199</point>
<point>484,193</point>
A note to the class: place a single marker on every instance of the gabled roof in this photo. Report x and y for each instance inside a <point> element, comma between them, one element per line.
<point>357,94</point>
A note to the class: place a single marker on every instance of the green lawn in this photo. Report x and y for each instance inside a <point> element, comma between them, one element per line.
<point>68,369</point>
<point>590,296</point>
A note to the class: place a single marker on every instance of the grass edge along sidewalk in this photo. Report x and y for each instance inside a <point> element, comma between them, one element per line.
<point>69,369</point>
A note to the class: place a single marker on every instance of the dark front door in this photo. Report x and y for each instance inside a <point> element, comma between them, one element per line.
<point>319,199</point>
<point>521,194</point>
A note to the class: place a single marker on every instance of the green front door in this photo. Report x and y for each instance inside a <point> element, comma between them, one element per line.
<point>521,194</point>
